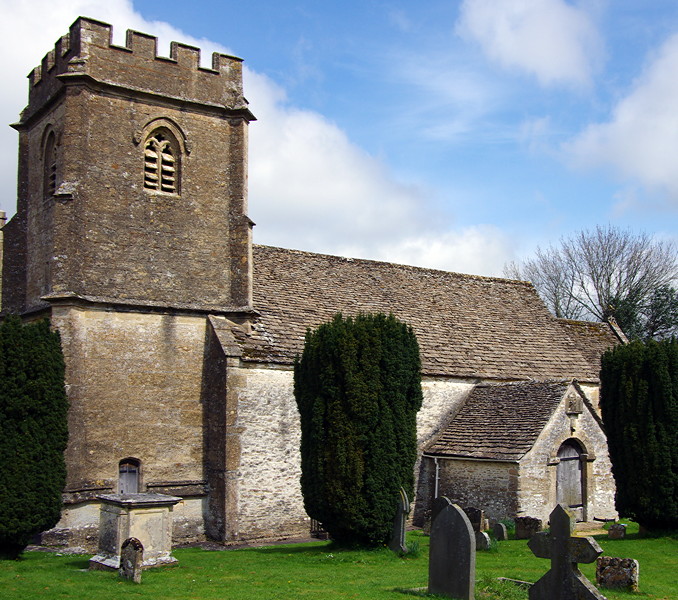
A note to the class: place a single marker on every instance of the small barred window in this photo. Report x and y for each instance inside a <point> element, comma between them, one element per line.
<point>161,163</point>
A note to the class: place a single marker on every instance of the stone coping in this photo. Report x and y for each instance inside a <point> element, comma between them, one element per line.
<point>140,500</point>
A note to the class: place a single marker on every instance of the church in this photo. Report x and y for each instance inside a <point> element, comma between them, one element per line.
<point>179,334</point>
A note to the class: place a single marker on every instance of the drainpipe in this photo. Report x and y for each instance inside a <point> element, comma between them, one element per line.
<point>435,492</point>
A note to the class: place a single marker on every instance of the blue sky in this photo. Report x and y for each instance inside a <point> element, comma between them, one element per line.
<point>456,135</point>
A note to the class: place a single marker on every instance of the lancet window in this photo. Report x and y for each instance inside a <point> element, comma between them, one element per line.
<point>50,166</point>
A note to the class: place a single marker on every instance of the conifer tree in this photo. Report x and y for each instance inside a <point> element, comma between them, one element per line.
<point>639,404</point>
<point>358,390</point>
<point>33,432</point>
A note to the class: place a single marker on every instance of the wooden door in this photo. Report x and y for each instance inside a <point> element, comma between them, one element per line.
<point>569,489</point>
<point>129,477</point>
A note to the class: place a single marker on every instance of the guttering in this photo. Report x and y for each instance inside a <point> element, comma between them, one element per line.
<point>476,458</point>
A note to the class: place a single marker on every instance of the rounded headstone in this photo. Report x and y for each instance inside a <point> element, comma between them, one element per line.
<point>500,532</point>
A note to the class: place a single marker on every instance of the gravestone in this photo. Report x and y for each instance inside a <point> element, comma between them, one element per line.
<point>131,559</point>
<point>617,531</point>
<point>564,581</point>
<point>452,553</point>
<point>477,518</point>
<point>499,531</point>
<point>397,543</point>
<point>526,527</point>
<point>483,541</point>
<point>620,573</point>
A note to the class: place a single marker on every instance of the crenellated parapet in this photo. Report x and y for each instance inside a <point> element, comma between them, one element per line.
<point>88,55</point>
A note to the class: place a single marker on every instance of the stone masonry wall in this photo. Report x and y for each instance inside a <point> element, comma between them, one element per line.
<point>270,501</point>
<point>487,485</point>
<point>269,493</point>
<point>134,386</point>
<point>133,243</point>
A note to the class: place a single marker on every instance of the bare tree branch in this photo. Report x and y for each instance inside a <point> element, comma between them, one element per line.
<point>605,272</point>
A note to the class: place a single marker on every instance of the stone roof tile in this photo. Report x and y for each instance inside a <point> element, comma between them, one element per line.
<point>500,421</point>
<point>592,338</point>
<point>467,325</point>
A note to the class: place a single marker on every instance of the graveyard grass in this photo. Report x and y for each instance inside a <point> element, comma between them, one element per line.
<point>320,570</point>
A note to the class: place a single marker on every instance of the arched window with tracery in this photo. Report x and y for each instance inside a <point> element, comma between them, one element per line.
<point>162,161</point>
<point>49,166</point>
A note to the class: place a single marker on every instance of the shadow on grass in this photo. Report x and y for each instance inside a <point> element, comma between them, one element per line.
<point>80,563</point>
<point>319,547</point>
<point>311,548</point>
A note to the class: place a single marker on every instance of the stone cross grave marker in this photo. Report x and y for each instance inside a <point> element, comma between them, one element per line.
<point>131,559</point>
<point>564,581</point>
<point>397,543</point>
<point>452,553</point>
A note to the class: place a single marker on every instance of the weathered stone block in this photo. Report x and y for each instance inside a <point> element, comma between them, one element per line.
<point>620,573</point>
<point>617,531</point>
<point>526,527</point>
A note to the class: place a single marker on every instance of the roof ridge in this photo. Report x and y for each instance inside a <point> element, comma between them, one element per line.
<point>396,265</point>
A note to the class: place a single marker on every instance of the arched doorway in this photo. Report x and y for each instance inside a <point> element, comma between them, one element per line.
<point>569,478</point>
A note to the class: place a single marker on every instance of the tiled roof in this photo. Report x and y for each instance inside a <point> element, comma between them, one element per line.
<point>592,338</point>
<point>500,422</point>
<point>467,326</point>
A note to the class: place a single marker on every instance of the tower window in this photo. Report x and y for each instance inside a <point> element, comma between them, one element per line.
<point>50,166</point>
<point>161,163</point>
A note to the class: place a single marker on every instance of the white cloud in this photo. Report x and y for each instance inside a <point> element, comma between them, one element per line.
<point>310,187</point>
<point>311,184</point>
<point>484,249</point>
<point>552,40</point>
<point>639,141</point>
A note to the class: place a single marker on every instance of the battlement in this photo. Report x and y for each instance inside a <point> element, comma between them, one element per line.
<point>88,52</point>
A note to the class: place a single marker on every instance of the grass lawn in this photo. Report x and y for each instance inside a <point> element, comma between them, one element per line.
<point>319,571</point>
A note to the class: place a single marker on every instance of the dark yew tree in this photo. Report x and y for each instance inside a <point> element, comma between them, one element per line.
<point>639,404</point>
<point>33,432</point>
<point>358,390</point>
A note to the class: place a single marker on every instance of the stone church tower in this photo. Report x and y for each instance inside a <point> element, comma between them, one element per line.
<point>131,229</point>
